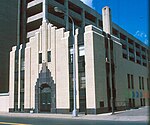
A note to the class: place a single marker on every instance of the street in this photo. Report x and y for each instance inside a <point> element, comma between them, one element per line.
<point>128,117</point>
<point>55,121</point>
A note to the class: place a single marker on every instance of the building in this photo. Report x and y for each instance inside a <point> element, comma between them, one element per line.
<point>8,38</point>
<point>111,65</point>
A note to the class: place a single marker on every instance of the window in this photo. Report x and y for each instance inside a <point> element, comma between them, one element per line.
<point>147,84</point>
<point>133,100</point>
<point>71,58</point>
<point>143,83</point>
<point>130,103</point>
<point>139,82</point>
<point>49,56</point>
<point>122,36</point>
<point>71,55</point>
<point>115,32</point>
<point>100,23</point>
<point>101,103</point>
<point>82,82</point>
<point>90,17</point>
<point>132,81</point>
<point>128,77</point>
<point>40,58</point>
<point>141,100</point>
<point>124,55</point>
<point>60,1</point>
<point>22,64</point>
<point>81,51</point>
<point>130,41</point>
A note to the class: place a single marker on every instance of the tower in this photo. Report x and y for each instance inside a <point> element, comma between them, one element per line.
<point>106,15</point>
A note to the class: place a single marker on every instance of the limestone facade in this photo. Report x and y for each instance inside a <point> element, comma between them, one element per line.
<point>40,73</point>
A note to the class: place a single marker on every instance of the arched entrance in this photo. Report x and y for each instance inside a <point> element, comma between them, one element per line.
<point>45,92</point>
<point>45,98</point>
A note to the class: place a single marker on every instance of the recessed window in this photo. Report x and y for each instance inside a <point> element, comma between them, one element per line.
<point>147,84</point>
<point>49,56</point>
<point>71,55</point>
<point>132,81</point>
<point>40,58</point>
<point>124,55</point>
<point>115,32</point>
<point>139,82</point>
<point>128,77</point>
<point>81,51</point>
<point>122,36</point>
<point>101,103</point>
<point>143,83</point>
<point>143,101</point>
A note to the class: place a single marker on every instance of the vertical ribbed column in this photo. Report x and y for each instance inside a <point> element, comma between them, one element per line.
<point>19,75</point>
<point>27,92</point>
<point>44,41</point>
<point>12,79</point>
<point>49,36</point>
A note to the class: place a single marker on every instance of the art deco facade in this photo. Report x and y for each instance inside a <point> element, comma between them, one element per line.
<point>111,65</point>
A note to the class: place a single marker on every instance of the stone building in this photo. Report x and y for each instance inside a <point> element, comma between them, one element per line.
<point>111,65</point>
<point>8,24</point>
<point>8,38</point>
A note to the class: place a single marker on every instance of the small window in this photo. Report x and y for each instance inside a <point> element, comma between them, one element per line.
<point>81,51</point>
<point>22,64</point>
<point>71,58</point>
<point>122,36</point>
<point>71,55</point>
<point>115,32</point>
<point>133,102</point>
<point>40,58</point>
<point>142,83</point>
<point>124,55</point>
<point>130,103</point>
<point>148,84</point>
<point>132,81</point>
<point>139,82</point>
<point>143,101</point>
<point>49,56</point>
<point>101,104</point>
<point>128,77</point>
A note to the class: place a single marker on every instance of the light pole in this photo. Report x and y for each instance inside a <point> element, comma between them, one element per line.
<point>74,112</point>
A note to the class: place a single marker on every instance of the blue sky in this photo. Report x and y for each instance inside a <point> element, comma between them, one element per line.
<point>131,15</point>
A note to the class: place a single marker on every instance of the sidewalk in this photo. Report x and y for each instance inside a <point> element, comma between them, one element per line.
<point>118,116</point>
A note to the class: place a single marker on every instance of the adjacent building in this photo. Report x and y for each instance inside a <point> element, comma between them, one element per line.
<point>8,38</point>
<point>111,64</point>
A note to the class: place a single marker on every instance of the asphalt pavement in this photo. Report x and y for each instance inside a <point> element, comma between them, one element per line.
<point>134,116</point>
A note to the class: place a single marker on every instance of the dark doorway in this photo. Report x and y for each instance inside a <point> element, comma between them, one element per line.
<point>45,100</point>
<point>82,102</point>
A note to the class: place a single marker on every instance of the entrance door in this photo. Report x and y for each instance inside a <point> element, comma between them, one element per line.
<point>45,100</point>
